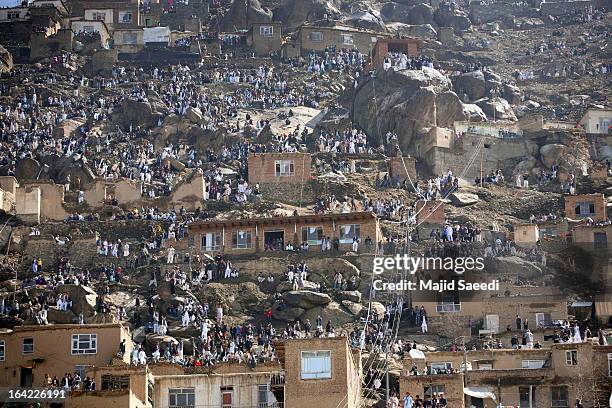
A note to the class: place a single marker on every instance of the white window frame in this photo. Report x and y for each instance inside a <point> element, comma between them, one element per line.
<point>485,366</point>
<point>266,31</point>
<point>318,230</point>
<point>98,16</point>
<point>532,364</point>
<point>13,15</point>
<point>284,168</point>
<point>262,391</point>
<point>247,236</point>
<point>347,39</point>
<point>2,350</point>
<point>174,392</point>
<point>355,231</point>
<point>216,241</point>
<point>124,14</point>
<point>569,360</point>
<point>228,390</point>
<point>316,36</point>
<point>23,345</point>
<point>91,338</point>
<point>610,365</point>
<point>448,307</point>
<point>323,357</point>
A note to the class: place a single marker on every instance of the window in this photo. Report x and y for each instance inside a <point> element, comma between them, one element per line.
<point>3,350</point>
<point>571,357</point>
<point>543,320</point>
<point>266,31</point>
<point>346,39</point>
<point>211,241</point>
<point>312,235</point>
<point>12,15</point>
<point>88,29</point>
<point>84,344</point>
<point>28,346</point>
<point>440,367</point>
<point>558,397</point>
<point>227,397</point>
<point>262,395</point>
<point>125,17</point>
<point>609,359</point>
<point>432,390</point>
<point>284,168</point>
<point>532,363</point>
<point>181,397</point>
<point>241,240</point>
<point>98,16</point>
<point>585,209</point>
<point>316,365</point>
<point>445,307</point>
<point>524,397</point>
<point>485,366</point>
<point>600,240</point>
<point>348,232</point>
<point>130,38</point>
<point>316,36</point>
<point>115,382</point>
<point>81,370</point>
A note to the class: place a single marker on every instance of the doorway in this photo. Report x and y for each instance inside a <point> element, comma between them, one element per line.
<point>274,240</point>
<point>26,377</point>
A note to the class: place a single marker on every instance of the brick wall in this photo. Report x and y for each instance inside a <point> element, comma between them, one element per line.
<point>262,167</point>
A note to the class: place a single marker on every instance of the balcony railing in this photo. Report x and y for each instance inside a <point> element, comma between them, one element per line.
<point>448,307</point>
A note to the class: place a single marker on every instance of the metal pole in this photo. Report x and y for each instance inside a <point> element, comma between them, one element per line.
<point>530,394</point>
<point>481,158</point>
<point>387,374</point>
<point>464,362</point>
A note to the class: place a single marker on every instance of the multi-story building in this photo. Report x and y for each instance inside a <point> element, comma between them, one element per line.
<point>553,377</point>
<point>279,167</point>
<point>584,206</point>
<point>27,353</point>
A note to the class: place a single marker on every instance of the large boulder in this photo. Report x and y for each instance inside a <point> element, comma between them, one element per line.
<point>354,308</point>
<point>420,14</point>
<point>463,199</point>
<point>243,13</point>
<point>423,31</point>
<point>445,17</point>
<point>470,83</point>
<point>287,313</point>
<point>474,112</point>
<point>369,20</point>
<point>134,113</point>
<point>512,94</point>
<point>6,60</point>
<point>497,109</point>
<point>287,286</point>
<point>352,295</point>
<point>378,308</point>
<point>407,103</point>
<point>27,169</point>
<point>332,312</point>
<point>83,298</point>
<point>550,153</point>
<point>306,299</point>
<point>294,13</point>
<point>67,128</point>
<point>194,115</point>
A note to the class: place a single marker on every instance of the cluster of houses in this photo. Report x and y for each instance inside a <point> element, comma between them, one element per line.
<point>41,28</point>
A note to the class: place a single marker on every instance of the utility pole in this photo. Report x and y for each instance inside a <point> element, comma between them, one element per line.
<point>481,159</point>
<point>464,362</point>
<point>387,374</point>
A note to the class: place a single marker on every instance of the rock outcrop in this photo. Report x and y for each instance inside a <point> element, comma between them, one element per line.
<point>242,13</point>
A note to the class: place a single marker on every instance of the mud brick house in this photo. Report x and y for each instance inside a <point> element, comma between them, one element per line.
<point>279,167</point>
<point>26,353</point>
<point>266,38</point>
<point>592,236</point>
<point>320,37</point>
<point>383,46</point>
<point>586,206</point>
<point>325,367</point>
<point>396,167</point>
<point>526,234</point>
<point>552,377</point>
<point>251,235</point>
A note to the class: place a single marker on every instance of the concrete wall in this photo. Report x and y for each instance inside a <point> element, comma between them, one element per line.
<point>52,200</point>
<point>190,193</point>
<point>55,357</point>
<point>430,212</point>
<point>262,167</point>
<point>594,120</point>
<point>126,191</point>
<point>526,235</point>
